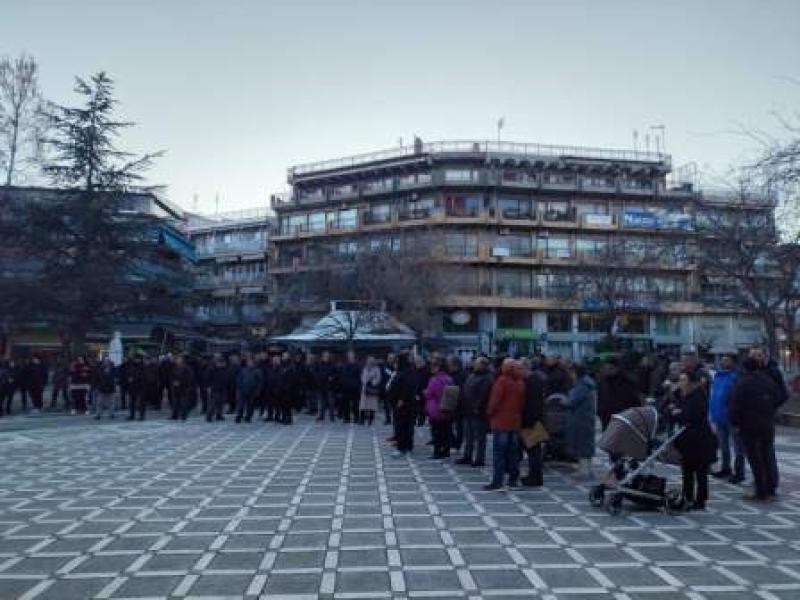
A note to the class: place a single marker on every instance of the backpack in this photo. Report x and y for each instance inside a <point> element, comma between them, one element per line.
<point>450,398</point>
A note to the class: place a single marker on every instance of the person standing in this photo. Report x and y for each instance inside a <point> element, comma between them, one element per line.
<point>6,386</point>
<point>753,403</point>
<point>181,385</point>
<point>456,371</point>
<point>403,392</point>
<point>106,386</point>
<point>506,403</point>
<point>617,392</point>
<point>727,436</point>
<point>770,367</point>
<point>697,444</point>
<point>439,418</point>
<point>325,375</point>
<point>218,384</point>
<point>533,413</point>
<point>165,368</point>
<point>349,388</point>
<point>60,379</point>
<point>371,378</point>
<point>582,401</point>
<point>80,379</point>
<point>387,375</point>
<point>287,377</point>
<point>37,379</point>
<point>248,388</point>
<point>477,388</point>
<point>138,386</point>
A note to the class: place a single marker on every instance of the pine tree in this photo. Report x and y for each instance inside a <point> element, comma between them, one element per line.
<point>90,247</point>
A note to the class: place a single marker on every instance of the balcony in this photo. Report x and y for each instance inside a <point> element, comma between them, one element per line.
<point>599,184</point>
<point>599,221</point>
<point>560,217</point>
<point>237,247</point>
<point>415,214</point>
<point>373,219</point>
<point>510,214</point>
<point>644,187</point>
<point>555,182</point>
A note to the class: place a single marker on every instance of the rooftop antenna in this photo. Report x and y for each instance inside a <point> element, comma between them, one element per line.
<point>647,142</point>
<point>663,131</point>
<point>501,122</point>
<point>216,203</point>
<point>195,201</point>
<point>400,141</point>
<point>635,140</point>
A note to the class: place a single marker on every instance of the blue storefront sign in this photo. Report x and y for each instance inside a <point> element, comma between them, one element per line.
<point>641,219</point>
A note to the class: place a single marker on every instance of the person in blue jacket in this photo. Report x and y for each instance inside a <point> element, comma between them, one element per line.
<point>727,435</point>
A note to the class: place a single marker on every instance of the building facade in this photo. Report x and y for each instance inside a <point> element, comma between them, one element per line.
<point>168,257</point>
<point>231,284</point>
<point>518,230</point>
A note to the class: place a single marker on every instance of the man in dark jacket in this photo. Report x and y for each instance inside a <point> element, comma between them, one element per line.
<point>218,386</point>
<point>325,377</point>
<point>618,392</point>
<point>182,384</point>
<point>248,387</point>
<point>402,394</point>
<point>135,385</point>
<point>234,366</point>
<point>753,404</point>
<point>535,382</point>
<point>475,400</point>
<point>349,387</point>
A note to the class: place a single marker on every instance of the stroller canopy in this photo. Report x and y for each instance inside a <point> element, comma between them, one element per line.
<point>630,432</point>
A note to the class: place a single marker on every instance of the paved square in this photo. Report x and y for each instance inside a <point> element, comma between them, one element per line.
<point>195,510</point>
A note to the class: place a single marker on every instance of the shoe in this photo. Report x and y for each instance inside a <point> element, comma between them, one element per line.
<point>698,506</point>
<point>513,484</point>
<point>248,420</point>
<point>736,479</point>
<point>721,474</point>
<point>429,443</point>
<point>318,419</point>
<point>72,412</point>
<point>532,482</point>
<point>464,461</point>
<point>398,455</point>
<point>492,487</point>
<point>238,419</point>
<point>478,464</point>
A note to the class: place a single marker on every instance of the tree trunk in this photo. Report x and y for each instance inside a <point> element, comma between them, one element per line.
<point>772,337</point>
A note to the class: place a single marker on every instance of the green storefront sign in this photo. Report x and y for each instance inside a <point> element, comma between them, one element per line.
<point>504,334</point>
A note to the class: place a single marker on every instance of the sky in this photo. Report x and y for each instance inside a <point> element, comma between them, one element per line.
<point>237,91</point>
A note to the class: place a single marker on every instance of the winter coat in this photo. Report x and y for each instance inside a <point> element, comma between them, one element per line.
<point>249,382</point>
<point>617,392</point>
<point>754,400</point>
<point>325,375</point>
<point>581,420</point>
<point>697,444</point>
<point>404,391</point>
<point>557,382</point>
<point>182,379</point>
<point>132,375</point>
<point>534,398</point>
<point>433,396</point>
<point>507,401</point>
<point>773,370</point>
<point>721,389</point>
<point>106,381</point>
<point>80,376</point>
<point>476,391</point>
<point>370,388</point>
<point>350,378</point>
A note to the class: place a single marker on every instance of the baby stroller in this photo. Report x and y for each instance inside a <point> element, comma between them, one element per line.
<point>631,440</point>
<point>556,417</point>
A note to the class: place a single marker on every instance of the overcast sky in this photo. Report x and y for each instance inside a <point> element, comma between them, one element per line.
<point>237,91</point>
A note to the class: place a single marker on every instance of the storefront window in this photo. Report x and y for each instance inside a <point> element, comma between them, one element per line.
<point>514,319</point>
<point>559,322</point>
<point>592,323</point>
<point>668,325</point>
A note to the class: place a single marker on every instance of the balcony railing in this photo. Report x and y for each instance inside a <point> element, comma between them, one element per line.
<point>231,247</point>
<point>415,214</point>
<point>486,148</point>
<point>518,215</point>
<point>559,216</point>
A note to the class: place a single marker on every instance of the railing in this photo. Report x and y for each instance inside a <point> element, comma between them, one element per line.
<point>229,247</point>
<point>472,147</point>
<point>556,216</point>
<point>415,214</point>
<point>518,215</point>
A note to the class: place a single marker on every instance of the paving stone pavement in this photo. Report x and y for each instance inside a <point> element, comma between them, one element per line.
<point>195,510</point>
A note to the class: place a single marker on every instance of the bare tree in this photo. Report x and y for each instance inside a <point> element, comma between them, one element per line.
<point>738,241</point>
<point>604,278</point>
<point>21,120</point>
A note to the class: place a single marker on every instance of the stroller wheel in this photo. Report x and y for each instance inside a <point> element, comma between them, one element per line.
<point>614,504</point>
<point>597,495</point>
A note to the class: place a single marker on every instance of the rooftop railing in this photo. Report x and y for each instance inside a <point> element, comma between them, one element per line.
<point>468,147</point>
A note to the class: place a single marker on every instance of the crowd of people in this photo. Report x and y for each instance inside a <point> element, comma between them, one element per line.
<point>730,409</point>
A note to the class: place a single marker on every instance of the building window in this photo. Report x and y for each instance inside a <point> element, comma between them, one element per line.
<point>379,185</point>
<point>558,178</point>
<point>514,208</point>
<point>635,323</point>
<point>378,213</point>
<point>460,175</point>
<point>513,245</point>
<point>349,189</point>
<point>555,247</point>
<point>592,323</point>
<point>348,219</point>
<point>347,249</point>
<point>668,325</point>
<point>298,223</point>
<point>463,206</point>
<point>599,181</point>
<point>316,221</point>
<point>558,211</point>
<point>559,322</point>
<point>514,319</point>
<point>517,178</point>
<point>512,283</point>
<point>591,246</point>
<point>461,244</point>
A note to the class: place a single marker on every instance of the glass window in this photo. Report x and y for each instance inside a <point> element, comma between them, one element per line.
<point>297,223</point>
<point>558,178</point>
<point>516,245</point>
<point>559,322</point>
<point>557,211</point>
<point>379,213</point>
<point>347,248</point>
<point>419,208</point>
<point>348,219</point>
<point>460,175</point>
<point>514,319</point>
<point>348,189</point>
<point>514,208</point>
<point>592,208</point>
<point>316,221</point>
<point>668,325</point>
<point>517,177</point>
<point>461,244</point>
<point>634,323</point>
<point>463,206</point>
<point>592,323</point>
<point>555,247</point>
<point>513,283</point>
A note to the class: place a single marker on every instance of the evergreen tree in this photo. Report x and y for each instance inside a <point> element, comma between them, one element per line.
<point>90,245</point>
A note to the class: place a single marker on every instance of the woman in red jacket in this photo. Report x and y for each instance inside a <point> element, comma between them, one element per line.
<point>505,418</point>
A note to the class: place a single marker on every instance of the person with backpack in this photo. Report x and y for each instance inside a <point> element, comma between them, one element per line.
<point>437,413</point>
<point>475,401</point>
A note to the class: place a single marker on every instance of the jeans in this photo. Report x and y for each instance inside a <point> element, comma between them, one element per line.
<point>104,402</point>
<point>505,450</point>
<point>137,402</point>
<point>217,404</point>
<point>245,406</point>
<point>725,435</point>
<point>475,438</point>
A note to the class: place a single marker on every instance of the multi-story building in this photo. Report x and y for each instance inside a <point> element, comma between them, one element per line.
<point>167,262</point>
<point>517,228</point>
<point>231,276</point>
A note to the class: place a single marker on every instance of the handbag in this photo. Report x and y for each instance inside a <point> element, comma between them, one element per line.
<point>450,398</point>
<point>533,436</point>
